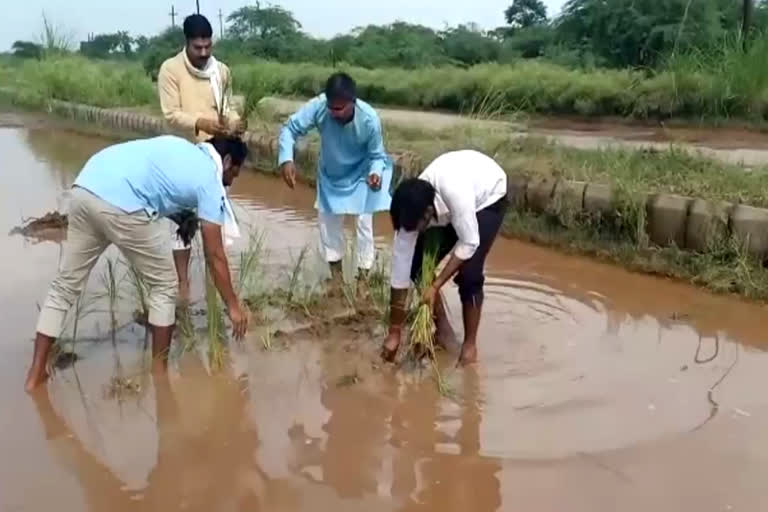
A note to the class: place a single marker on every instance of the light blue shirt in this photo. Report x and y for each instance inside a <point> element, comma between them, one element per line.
<point>162,175</point>
<point>349,153</point>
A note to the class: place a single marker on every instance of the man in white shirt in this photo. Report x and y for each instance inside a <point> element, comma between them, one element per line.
<point>457,205</point>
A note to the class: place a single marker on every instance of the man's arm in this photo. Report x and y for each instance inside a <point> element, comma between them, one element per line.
<point>298,125</point>
<point>377,154</point>
<point>403,249</point>
<point>460,200</point>
<point>170,102</point>
<point>216,258</point>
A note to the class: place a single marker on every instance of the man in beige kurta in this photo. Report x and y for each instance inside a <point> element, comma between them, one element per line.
<point>195,96</point>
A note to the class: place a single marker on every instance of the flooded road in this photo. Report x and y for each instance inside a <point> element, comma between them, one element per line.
<point>596,390</point>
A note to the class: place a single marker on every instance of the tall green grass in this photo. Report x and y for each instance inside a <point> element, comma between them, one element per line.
<point>718,82</point>
<point>80,80</point>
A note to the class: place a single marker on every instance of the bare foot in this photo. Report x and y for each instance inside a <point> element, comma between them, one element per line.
<point>389,349</point>
<point>468,355</point>
<point>36,377</point>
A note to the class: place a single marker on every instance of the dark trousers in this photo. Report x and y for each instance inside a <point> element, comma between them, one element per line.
<point>471,277</point>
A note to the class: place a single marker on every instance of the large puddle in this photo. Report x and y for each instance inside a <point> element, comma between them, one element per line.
<point>596,389</point>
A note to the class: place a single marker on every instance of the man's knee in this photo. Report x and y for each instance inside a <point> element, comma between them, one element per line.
<point>162,300</point>
<point>64,291</point>
<point>471,287</point>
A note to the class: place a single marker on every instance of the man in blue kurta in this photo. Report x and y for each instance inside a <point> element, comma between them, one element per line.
<point>354,171</point>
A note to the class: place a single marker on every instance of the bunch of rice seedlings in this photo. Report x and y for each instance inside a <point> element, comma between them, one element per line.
<point>421,324</point>
<point>226,94</point>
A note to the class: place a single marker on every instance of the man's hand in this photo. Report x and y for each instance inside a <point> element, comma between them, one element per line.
<point>211,126</point>
<point>288,170</point>
<point>238,126</point>
<point>239,320</point>
<point>429,296</point>
<point>374,181</point>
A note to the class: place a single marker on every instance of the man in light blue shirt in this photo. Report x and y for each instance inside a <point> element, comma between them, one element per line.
<point>118,198</point>
<point>354,171</point>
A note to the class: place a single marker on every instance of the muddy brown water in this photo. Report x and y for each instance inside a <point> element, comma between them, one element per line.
<point>596,390</point>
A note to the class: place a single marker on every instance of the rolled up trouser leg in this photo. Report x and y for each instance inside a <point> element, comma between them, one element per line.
<point>331,236</point>
<point>471,276</point>
<point>85,243</point>
<point>366,248</point>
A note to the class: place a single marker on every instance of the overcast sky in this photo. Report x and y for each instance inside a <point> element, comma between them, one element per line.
<point>23,19</point>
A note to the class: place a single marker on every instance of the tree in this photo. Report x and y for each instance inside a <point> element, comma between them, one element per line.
<point>468,45</point>
<point>103,46</point>
<point>526,13</point>
<point>625,33</point>
<point>397,45</point>
<point>257,22</point>
<point>528,43</point>
<point>27,50</point>
<point>160,47</point>
<point>748,12</point>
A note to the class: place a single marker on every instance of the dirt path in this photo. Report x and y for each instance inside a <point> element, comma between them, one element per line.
<point>734,146</point>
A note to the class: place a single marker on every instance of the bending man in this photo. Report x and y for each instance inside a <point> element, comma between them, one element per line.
<point>354,172</point>
<point>118,198</point>
<point>456,206</point>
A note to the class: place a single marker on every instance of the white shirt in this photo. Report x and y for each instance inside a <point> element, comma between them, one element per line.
<point>465,182</point>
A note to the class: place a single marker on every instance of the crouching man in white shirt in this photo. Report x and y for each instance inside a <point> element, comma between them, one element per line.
<point>456,206</point>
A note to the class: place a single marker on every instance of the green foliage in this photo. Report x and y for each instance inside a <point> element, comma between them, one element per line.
<point>526,13</point>
<point>72,78</point>
<point>468,45</point>
<point>262,23</point>
<point>527,43</point>
<point>27,50</point>
<point>156,50</point>
<point>641,32</point>
<point>105,45</point>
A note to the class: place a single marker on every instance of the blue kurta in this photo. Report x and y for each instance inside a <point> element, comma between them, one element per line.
<point>348,155</point>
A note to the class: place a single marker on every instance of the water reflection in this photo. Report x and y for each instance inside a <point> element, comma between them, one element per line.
<point>578,361</point>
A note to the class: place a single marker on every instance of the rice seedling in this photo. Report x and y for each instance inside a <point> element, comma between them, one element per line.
<point>294,278</point>
<point>217,333</point>
<point>186,330</point>
<point>250,274</point>
<point>266,340</point>
<point>223,106</point>
<point>119,386</point>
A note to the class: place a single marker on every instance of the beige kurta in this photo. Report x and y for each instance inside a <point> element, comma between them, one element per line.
<point>184,98</point>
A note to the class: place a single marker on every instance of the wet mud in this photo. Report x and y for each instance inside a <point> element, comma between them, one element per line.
<point>51,226</point>
<point>596,389</point>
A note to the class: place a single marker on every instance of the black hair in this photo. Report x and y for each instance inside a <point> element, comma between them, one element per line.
<point>410,202</point>
<point>340,86</point>
<point>232,146</point>
<point>197,26</point>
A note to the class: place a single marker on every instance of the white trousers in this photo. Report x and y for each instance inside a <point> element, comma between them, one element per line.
<point>333,240</point>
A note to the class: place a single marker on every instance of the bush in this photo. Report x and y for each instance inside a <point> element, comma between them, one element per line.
<point>77,79</point>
